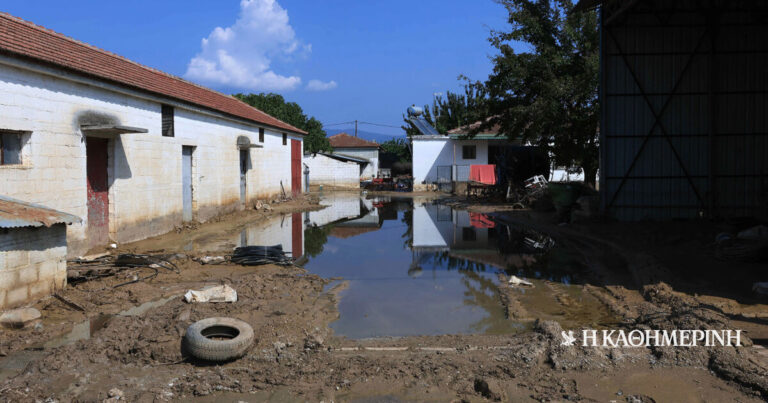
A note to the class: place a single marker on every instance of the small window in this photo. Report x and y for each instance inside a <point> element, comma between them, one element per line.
<point>285,139</point>
<point>469,152</point>
<point>10,149</point>
<point>261,134</point>
<point>167,118</point>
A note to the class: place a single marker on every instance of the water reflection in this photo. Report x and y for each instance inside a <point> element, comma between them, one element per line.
<point>426,269</point>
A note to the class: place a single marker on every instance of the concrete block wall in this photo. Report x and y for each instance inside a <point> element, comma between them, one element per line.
<point>370,154</point>
<point>144,169</point>
<point>271,166</point>
<point>32,263</point>
<point>327,171</point>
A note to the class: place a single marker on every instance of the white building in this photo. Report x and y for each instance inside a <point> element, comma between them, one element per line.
<point>332,170</point>
<point>33,249</point>
<point>441,160</point>
<point>364,151</point>
<point>131,150</point>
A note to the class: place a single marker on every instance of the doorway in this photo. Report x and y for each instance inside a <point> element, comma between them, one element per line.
<point>295,167</point>
<point>186,182</point>
<point>243,175</point>
<point>98,190</point>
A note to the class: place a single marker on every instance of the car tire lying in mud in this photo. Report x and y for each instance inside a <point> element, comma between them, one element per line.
<point>218,339</point>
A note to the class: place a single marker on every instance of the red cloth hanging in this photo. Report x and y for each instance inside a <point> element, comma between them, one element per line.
<point>480,220</point>
<point>483,173</point>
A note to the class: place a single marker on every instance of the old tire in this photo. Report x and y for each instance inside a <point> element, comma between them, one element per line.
<point>218,339</point>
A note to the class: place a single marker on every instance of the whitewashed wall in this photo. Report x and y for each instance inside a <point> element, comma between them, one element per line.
<point>370,154</point>
<point>144,169</point>
<point>327,171</point>
<point>429,153</point>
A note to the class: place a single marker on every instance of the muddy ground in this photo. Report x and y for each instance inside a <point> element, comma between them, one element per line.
<point>296,357</point>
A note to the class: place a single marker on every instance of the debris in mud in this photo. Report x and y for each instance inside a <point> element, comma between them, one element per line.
<point>313,342</point>
<point>749,245</point>
<point>533,189</point>
<point>260,255</point>
<point>221,293</point>
<point>20,318</point>
<point>260,205</point>
<point>211,259</point>
<point>760,288</point>
<point>115,395</point>
<point>218,339</point>
<point>517,281</point>
<point>81,269</point>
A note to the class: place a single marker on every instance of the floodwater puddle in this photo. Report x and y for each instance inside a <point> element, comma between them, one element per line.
<point>418,268</point>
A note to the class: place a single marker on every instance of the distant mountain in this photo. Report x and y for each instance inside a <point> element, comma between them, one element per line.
<point>364,134</point>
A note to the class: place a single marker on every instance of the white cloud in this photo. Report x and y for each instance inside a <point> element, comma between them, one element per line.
<point>317,85</point>
<point>241,55</point>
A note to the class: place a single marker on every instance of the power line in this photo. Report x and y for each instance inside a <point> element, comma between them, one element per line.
<point>380,124</point>
<point>362,123</point>
<point>339,124</point>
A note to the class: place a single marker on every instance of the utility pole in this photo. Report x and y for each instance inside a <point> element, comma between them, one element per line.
<point>355,127</point>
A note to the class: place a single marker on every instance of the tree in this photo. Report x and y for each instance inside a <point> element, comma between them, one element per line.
<point>290,112</point>
<point>397,147</point>
<point>455,110</point>
<point>548,93</point>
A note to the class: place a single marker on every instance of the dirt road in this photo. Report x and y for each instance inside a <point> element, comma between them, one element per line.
<point>296,357</point>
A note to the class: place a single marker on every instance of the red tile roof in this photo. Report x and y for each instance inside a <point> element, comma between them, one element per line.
<point>25,39</point>
<point>344,140</point>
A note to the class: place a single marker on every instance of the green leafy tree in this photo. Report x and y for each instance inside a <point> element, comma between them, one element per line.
<point>290,112</point>
<point>548,93</point>
<point>315,239</point>
<point>397,147</point>
<point>454,110</point>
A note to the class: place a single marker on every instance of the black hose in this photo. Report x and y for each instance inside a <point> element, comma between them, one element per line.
<point>259,255</point>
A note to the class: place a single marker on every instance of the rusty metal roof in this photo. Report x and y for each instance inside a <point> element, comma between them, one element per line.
<point>16,213</point>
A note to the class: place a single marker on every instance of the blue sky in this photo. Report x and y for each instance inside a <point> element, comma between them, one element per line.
<point>341,60</point>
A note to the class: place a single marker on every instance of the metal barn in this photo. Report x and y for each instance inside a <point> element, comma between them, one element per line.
<point>684,95</point>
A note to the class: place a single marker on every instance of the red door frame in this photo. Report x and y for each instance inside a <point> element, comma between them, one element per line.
<point>295,167</point>
<point>297,236</point>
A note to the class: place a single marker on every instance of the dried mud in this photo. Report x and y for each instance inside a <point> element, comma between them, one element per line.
<point>296,357</point>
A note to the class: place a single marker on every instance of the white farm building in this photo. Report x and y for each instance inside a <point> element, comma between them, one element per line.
<point>129,149</point>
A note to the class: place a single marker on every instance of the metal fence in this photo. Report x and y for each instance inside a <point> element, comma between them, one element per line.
<point>445,178</point>
<point>462,173</point>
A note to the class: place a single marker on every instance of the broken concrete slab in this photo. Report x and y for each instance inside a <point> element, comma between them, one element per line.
<point>20,318</point>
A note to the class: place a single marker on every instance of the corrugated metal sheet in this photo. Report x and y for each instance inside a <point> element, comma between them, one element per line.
<point>16,213</point>
<point>702,73</point>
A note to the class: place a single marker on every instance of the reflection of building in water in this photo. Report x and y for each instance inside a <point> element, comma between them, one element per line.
<point>338,206</point>
<point>440,228</point>
<point>441,233</point>
<point>286,230</point>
